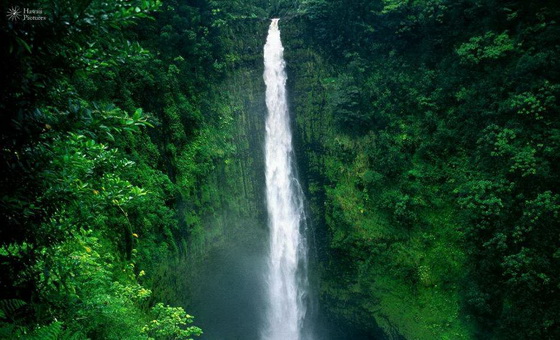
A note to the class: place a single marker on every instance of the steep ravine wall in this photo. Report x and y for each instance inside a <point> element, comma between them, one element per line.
<point>376,278</point>
<point>370,278</point>
<point>224,265</point>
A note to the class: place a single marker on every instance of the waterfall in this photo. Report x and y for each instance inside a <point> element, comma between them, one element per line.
<point>286,275</point>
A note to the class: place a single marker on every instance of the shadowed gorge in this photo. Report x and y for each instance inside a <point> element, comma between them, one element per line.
<point>393,175</point>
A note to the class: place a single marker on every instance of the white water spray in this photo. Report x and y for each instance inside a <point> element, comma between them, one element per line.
<point>287,263</point>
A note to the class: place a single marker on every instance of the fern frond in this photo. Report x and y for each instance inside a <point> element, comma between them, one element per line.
<point>49,332</point>
<point>9,306</point>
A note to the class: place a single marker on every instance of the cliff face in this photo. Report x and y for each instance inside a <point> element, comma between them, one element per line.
<point>376,275</point>
<point>227,248</point>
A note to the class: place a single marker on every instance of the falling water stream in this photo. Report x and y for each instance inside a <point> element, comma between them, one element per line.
<point>286,275</point>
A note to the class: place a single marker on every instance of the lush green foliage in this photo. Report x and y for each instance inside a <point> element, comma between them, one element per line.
<point>108,164</point>
<point>428,139</point>
<point>431,138</point>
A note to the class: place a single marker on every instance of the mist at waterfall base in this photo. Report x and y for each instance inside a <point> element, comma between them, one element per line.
<point>257,288</point>
<point>229,301</point>
<point>231,296</point>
